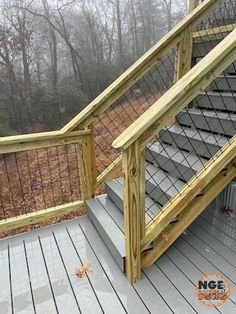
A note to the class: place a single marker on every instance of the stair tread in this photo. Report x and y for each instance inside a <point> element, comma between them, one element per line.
<point>177,155</point>
<point>202,136</point>
<point>169,184</point>
<point>214,93</point>
<point>212,114</point>
<point>117,186</point>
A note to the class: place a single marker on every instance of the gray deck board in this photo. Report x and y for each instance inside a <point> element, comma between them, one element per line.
<point>42,276</point>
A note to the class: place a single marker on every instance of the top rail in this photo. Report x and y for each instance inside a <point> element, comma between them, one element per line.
<point>180,95</point>
<point>16,143</point>
<point>146,62</point>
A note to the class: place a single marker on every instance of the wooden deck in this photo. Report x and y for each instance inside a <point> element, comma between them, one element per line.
<point>37,271</point>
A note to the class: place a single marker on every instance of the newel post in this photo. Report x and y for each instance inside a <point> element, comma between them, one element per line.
<point>87,164</point>
<point>134,208</point>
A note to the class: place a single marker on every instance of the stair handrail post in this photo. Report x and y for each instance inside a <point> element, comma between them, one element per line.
<point>87,164</point>
<point>133,164</point>
<point>185,48</point>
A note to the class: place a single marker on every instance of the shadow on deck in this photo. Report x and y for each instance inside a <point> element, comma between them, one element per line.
<point>37,271</point>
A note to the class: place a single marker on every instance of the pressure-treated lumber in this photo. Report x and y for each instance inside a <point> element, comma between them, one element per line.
<point>190,191</point>
<point>189,214</point>
<point>213,31</point>
<point>19,143</point>
<point>184,54</point>
<point>41,215</point>
<point>87,164</point>
<point>109,171</point>
<point>192,5</point>
<point>146,62</point>
<point>134,209</point>
<point>180,95</point>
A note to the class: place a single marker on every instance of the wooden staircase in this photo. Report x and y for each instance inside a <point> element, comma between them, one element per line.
<point>171,161</point>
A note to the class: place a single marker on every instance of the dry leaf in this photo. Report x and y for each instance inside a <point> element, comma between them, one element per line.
<point>83,270</point>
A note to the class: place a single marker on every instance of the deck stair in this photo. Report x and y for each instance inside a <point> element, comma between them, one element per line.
<point>170,164</point>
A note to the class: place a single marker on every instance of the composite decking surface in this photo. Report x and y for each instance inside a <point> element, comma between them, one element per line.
<point>37,271</point>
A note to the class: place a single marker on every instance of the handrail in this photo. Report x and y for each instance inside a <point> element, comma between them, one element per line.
<point>138,69</point>
<point>16,143</point>
<point>180,95</point>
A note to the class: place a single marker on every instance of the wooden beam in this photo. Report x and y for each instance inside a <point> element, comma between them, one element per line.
<point>189,214</point>
<point>40,216</point>
<point>224,29</point>
<point>180,95</point>
<point>136,71</point>
<point>134,208</point>
<point>19,143</point>
<point>190,191</point>
<point>184,54</point>
<point>109,171</point>
<point>87,164</point>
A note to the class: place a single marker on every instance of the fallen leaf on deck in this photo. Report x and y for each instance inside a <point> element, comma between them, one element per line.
<point>83,270</point>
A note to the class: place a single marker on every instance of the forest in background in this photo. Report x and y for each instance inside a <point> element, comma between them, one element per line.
<point>58,55</point>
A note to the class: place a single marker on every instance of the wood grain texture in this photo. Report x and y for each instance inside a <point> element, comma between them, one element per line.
<point>189,214</point>
<point>190,191</point>
<point>19,143</point>
<point>40,216</point>
<point>134,208</point>
<point>184,54</point>
<point>180,95</point>
<point>138,69</point>
<point>109,171</point>
<point>87,164</point>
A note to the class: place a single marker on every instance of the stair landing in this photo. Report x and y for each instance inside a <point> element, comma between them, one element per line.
<point>37,271</point>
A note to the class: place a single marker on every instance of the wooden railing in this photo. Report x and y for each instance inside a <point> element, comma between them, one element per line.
<point>35,142</point>
<point>132,143</point>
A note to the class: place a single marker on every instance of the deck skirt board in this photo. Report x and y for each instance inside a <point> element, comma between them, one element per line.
<point>48,257</point>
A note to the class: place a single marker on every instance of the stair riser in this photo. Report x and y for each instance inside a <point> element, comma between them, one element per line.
<point>223,84</point>
<point>115,197</point>
<point>206,101</point>
<point>207,123</point>
<point>176,169</point>
<point>111,245</point>
<point>204,149</point>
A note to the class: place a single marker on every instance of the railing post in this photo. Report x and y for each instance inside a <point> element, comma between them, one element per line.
<point>185,48</point>
<point>87,164</point>
<point>134,208</point>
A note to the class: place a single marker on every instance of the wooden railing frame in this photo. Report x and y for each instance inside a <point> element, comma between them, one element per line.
<point>85,141</point>
<point>142,130</point>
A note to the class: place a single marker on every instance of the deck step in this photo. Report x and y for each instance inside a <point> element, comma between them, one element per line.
<point>114,189</point>
<point>178,162</point>
<point>224,83</point>
<point>216,101</point>
<point>206,144</point>
<point>160,186</point>
<point>217,122</point>
<point>104,214</point>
